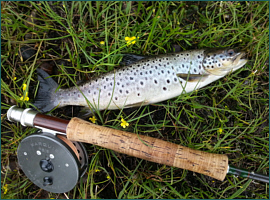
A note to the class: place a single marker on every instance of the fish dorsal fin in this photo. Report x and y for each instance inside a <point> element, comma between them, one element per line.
<point>192,77</point>
<point>129,59</point>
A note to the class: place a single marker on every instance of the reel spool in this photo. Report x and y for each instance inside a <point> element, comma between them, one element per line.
<point>52,162</point>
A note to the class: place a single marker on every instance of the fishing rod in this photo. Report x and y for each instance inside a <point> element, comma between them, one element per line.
<point>54,158</point>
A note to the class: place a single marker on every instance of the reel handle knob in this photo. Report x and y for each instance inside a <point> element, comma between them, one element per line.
<point>148,148</point>
<point>47,180</point>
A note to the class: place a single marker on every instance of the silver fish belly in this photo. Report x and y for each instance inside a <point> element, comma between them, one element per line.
<point>146,81</point>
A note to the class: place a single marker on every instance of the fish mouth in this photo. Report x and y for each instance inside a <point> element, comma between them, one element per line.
<point>239,60</point>
<point>238,57</point>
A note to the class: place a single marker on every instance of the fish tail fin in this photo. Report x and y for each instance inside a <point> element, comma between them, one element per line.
<point>45,100</point>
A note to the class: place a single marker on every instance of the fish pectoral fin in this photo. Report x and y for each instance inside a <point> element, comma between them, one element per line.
<point>221,71</point>
<point>129,59</point>
<point>192,77</point>
<point>138,104</point>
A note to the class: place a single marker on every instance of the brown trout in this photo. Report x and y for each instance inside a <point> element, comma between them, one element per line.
<point>145,81</point>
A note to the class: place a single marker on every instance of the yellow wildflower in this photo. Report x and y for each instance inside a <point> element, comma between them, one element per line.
<point>220,130</point>
<point>24,86</point>
<point>108,177</point>
<point>93,119</point>
<point>124,124</point>
<point>131,40</point>
<point>25,98</point>
<point>97,170</point>
<point>15,78</point>
<point>5,188</point>
<point>102,42</point>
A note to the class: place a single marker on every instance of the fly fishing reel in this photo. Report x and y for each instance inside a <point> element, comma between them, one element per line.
<point>52,162</point>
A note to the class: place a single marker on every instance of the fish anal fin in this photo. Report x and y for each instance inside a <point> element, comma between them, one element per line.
<point>137,104</point>
<point>192,77</point>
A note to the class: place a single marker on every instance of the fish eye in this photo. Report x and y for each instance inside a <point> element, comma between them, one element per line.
<point>230,52</point>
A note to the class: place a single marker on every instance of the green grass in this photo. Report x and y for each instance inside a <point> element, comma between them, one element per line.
<point>68,35</point>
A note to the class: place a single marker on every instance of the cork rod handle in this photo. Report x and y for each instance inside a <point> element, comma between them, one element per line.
<point>148,148</point>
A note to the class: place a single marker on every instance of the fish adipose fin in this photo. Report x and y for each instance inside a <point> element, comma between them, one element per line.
<point>47,87</point>
<point>129,59</point>
<point>192,77</point>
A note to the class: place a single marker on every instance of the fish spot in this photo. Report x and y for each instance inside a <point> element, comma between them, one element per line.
<point>199,56</point>
<point>107,79</point>
<point>183,65</point>
<point>223,59</point>
<point>135,74</point>
<point>177,55</point>
<point>150,72</point>
<point>159,65</point>
<point>184,58</point>
<point>175,79</point>
<point>88,92</point>
<point>141,73</point>
<point>169,72</point>
<point>162,71</point>
<point>111,83</point>
<point>155,81</point>
<point>208,56</point>
<point>195,70</point>
<point>152,67</point>
<point>119,74</point>
<point>116,98</point>
<point>143,67</point>
<point>204,61</point>
<point>159,60</point>
<point>109,94</point>
<point>168,63</point>
<point>187,54</point>
<point>104,86</point>
<point>131,78</point>
<point>149,64</point>
<point>146,72</point>
<point>181,54</point>
<point>139,94</point>
<point>120,91</point>
<point>167,58</point>
<point>118,83</point>
<point>123,86</point>
<point>96,80</point>
<point>168,81</point>
<point>146,78</point>
<point>212,66</point>
<point>155,67</point>
<point>95,93</point>
<point>164,88</point>
<point>127,91</point>
<point>219,64</point>
<point>210,63</point>
<point>158,73</point>
<point>141,83</point>
<point>200,66</point>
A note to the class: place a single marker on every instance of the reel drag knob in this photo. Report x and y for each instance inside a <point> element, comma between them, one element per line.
<point>51,163</point>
